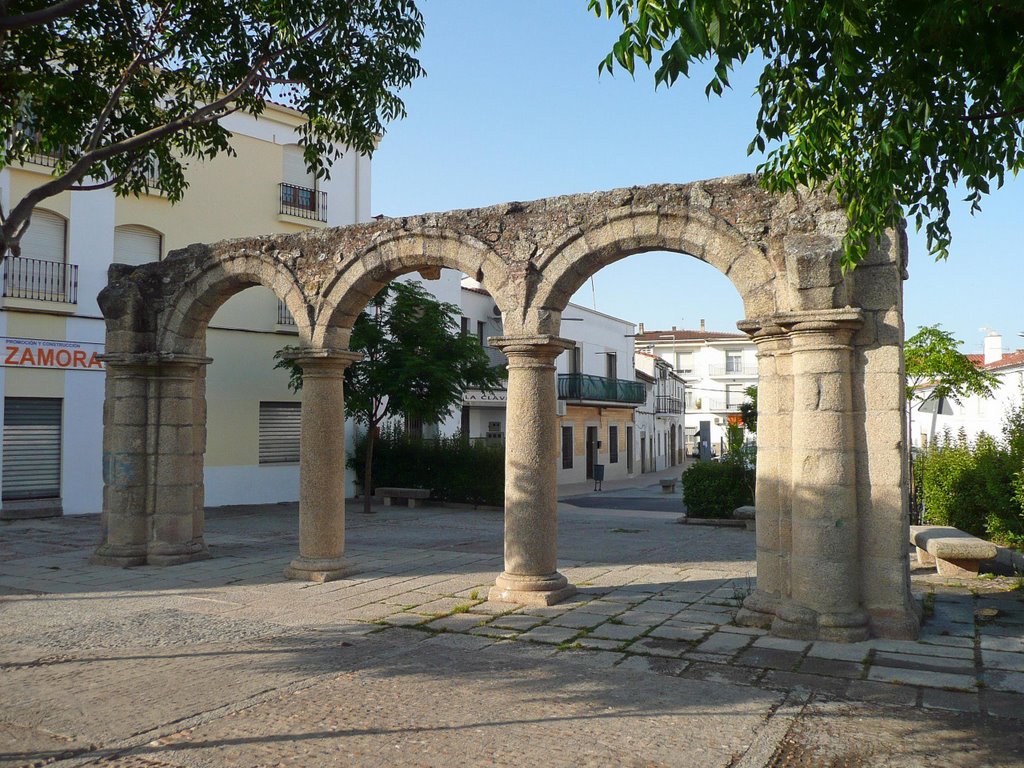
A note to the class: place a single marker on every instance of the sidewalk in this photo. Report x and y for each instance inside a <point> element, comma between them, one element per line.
<point>224,663</point>
<point>644,481</point>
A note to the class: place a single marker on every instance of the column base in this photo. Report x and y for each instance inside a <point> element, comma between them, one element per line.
<point>531,590</point>
<point>896,625</point>
<point>164,554</point>
<point>318,570</point>
<point>758,610</point>
<point>800,623</point>
<point>119,555</point>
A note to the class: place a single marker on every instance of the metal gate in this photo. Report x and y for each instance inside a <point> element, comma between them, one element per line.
<point>32,447</point>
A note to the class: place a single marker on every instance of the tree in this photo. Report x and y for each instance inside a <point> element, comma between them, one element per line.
<point>888,102</point>
<point>748,409</point>
<point>936,371</point>
<point>124,93</point>
<point>416,364</point>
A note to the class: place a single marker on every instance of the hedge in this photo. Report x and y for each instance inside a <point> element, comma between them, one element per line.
<point>713,489</point>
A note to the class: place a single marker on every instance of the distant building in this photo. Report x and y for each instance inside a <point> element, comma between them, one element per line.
<point>717,368</point>
<point>660,420</point>
<point>931,418</point>
<point>598,394</point>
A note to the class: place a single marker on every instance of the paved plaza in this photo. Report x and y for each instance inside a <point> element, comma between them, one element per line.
<point>225,663</point>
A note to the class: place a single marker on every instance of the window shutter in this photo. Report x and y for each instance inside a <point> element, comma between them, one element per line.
<point>31,452</point>
<point>136,245</point>
<point>45,237</point>
<point>295,168</point>
<point>280,428</point>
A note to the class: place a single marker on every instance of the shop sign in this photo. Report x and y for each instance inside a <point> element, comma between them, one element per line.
<point>476,397</point>
<point>59,355</point>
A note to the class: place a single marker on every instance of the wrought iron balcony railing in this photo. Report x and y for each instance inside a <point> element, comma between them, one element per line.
<point>581,386</point>
<point>303,203</point>
<point>667,404</point>
<point>40,280</point>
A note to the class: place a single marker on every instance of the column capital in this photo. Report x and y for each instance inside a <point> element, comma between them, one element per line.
<point>323,359</point>
<point>544,348</point>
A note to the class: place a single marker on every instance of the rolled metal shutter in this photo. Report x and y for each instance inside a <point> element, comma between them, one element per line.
<point>280,428</point>
<point>32,447</point>
<point>45,238</point>
<point>136,245</point>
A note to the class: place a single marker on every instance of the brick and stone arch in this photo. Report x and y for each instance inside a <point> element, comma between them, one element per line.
<point>831,486</point>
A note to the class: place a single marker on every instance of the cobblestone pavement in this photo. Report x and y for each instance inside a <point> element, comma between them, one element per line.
<point>224,663</point>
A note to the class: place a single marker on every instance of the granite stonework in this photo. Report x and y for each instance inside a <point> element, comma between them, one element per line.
<point>831,487</point>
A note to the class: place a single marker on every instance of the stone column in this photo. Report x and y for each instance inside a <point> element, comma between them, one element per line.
<point>124,521</point>
<point>153,460</point>
<point>322,466</point>
<point>825,601</point>
<point>531,474</point>
<point>772,492</point>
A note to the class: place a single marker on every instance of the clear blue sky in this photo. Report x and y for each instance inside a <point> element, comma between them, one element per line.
<point>512,108</point>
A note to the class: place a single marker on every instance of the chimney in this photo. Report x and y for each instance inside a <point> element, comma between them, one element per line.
<point>702,323</point>
<point>674,328</point>
<point>993,348</point>
<point>641,326</point>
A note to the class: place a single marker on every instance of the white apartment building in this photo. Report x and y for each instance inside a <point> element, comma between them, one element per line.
<point>717,368</point>
<point>597,391</point>
<point>932,417</point>
<point>52,378</point>
<point>660,420</point>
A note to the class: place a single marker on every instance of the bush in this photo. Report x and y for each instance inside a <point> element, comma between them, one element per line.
<point>715,488</point>
<point>454,469</point>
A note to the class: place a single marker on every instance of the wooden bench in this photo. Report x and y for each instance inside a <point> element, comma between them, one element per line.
<point>950,550</point>
<point>668,485</point>
<point>413,496</point>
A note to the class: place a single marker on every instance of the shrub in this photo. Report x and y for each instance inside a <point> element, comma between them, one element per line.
<point>715,488</point>
<point>454,469</point>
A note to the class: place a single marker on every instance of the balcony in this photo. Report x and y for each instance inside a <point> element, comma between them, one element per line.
<point>667,404</point>
<point>303,203</point>
<point>723,406</point>
<point>720,371</point>
<point>580,386</point>
<point>27,281</point>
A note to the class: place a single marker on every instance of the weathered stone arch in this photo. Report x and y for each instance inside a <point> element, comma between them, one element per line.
<point>213,278</point>
<point>630,230</point>
<point>395,252</point>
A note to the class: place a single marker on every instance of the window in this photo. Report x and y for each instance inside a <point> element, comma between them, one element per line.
<point>566,447</point>
<point>734,395</point>
<point>612,371</point>
<point>280,428</point>
<point>684,362</point>
<point>734,362</point>
<point>136,245</point>
<point>494,430</point>
<point>613,445</point>
<point>46,238</point>
<point>465,326</point>
<point>481,333</point>
<point>576,360</point>
<point>32,448</point>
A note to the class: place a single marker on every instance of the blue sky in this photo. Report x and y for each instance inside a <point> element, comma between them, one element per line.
<point>512,108</point>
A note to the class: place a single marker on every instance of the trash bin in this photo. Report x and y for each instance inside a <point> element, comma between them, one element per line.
<point>598,476</point>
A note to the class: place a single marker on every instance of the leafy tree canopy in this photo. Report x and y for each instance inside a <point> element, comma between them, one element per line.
<point>123,93</point>
<point>888,102</point>
<point>416,363</point>
<point>937,369</point>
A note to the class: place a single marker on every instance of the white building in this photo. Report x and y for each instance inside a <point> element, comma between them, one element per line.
<point>660,420</point>
<point>931,418</point>
<point>717,367</point>
<point>50,323</point>
<point>597,391</point>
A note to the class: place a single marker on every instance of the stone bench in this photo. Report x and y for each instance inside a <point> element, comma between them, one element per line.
<point>668,485</point>
<point>413,496</point>
<point>950,550</point>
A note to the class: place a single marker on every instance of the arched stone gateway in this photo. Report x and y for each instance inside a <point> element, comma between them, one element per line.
<point>831,481</point>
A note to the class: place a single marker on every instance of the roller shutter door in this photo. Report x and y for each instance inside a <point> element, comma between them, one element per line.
<point>136,245</point>
<point>32,442</point>
<point>280,427</point>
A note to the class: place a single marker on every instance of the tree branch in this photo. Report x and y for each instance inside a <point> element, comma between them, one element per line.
<point>42,16</point>
<point>100,185</point>
<point>969,118</point>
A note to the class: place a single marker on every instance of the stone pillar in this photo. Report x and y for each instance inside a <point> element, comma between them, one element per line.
<point>772,492</point>
<point>322,467</point>
<point>153,445</point>
<point>825,601</point>
<point>531,474</point>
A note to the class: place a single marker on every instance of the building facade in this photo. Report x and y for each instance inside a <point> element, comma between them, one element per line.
<point>930,418</point>
<point>661,419</point>
<point>52,377</point>
<point>717,368</point>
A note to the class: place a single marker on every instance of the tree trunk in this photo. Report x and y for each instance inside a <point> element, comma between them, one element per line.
<point>371,438</point>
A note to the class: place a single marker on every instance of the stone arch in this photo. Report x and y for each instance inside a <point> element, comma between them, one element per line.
<point>579,254</point>
<point>396,253</point>
<point>218,277</point>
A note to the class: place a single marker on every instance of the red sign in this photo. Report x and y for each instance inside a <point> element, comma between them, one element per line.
<point>59,355</point>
